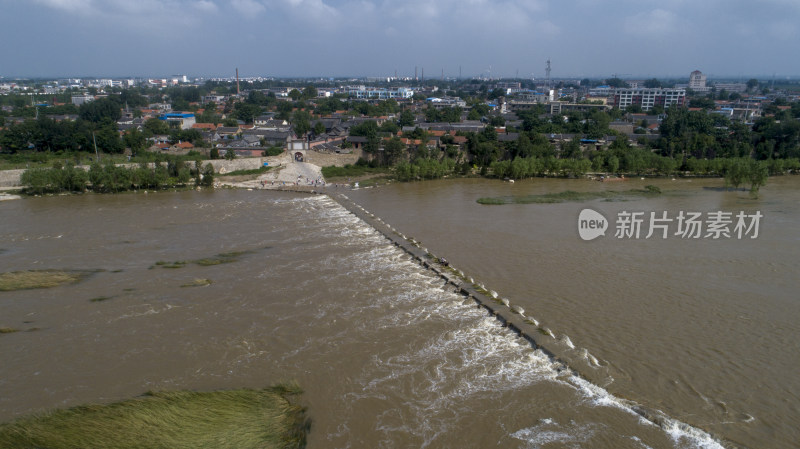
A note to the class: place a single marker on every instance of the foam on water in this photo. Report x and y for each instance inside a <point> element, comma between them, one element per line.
<point>472,356</point>
<point>549,432</point>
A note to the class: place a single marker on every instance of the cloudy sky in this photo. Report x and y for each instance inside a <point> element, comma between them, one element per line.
<point>582,38</point>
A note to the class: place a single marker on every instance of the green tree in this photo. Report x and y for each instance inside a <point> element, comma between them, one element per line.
<point>310,92</point>
<point>616,82</point>
<point>99,110</point>
<point>155,126</point>
<point>135,140</point>
<point>207,178</point>
<point>394,150</point>
<point>406,118</point>
<point>301,122</point>
<point>295,94</point>
<point>652,83</point>
<point>246,112</point>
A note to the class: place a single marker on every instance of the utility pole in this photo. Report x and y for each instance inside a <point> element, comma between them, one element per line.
<point>95,147</point>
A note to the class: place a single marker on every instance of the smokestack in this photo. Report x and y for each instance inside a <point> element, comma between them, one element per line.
<point>423,74</point>
<point>237,81</point>
<point>415,74</point>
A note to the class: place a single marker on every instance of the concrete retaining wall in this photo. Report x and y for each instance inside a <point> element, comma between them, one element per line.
<point>332,159</point>
<point>11,178</point>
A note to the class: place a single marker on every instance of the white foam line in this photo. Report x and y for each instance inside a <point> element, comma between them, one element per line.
<point>677,430</point>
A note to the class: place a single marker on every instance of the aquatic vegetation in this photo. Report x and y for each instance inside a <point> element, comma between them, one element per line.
<point>570,196</point>
<point>176,264</point>
<point>244,418</point>
<point>101,298</point>
<point>221,258</point>
<point>8,330</point>
<point>198,283</point>
<point>227,257</point>
<point>29,279</point>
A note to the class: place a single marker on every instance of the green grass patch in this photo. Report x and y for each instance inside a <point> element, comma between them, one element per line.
<point>198,283</point>
<point>255,171</point>
<point>8,330</point>
<point>24,280</point>
<point>570,196</point>
<point>227,257</point>
<point>240,419</point>
<point>176,264</point>
<point>351,171</point>
<point>221,258</point>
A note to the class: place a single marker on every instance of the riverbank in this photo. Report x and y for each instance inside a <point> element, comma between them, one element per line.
<point>238,419</point>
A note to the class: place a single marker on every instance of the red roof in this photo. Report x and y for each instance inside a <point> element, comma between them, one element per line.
<point>210,126</point>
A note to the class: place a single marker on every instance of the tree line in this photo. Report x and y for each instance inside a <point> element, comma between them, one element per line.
<point>111,178</point>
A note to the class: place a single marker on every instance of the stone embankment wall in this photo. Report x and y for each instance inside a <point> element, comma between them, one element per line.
<point>332,159</point>
<point>10,178</point>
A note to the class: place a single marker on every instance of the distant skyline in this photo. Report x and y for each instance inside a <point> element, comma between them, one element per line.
<point>341,38</point>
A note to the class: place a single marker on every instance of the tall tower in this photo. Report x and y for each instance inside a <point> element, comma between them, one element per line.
<point>237,82</point>
<point>547,73</point>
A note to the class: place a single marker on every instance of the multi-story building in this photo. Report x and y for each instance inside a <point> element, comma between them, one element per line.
<point>647,98</point>
<point>446,102</point>
<point>78,100</point>
<point>179,120</point>
<point>731,87</point>
<point>697,81</point>
<point>364,92</point>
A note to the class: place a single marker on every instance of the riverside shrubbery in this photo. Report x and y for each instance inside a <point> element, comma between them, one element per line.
<point>108,178</point>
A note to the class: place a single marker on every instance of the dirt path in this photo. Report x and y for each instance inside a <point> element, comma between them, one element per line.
<point>288,173</point>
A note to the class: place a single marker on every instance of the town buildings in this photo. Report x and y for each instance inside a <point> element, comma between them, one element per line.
<point>647,98</point>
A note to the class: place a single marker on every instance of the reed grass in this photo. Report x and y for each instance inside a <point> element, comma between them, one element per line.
<point>221,258</point>
<point>198,283</point>
<point>29,279</point>
<point>569,196</point>
<point>240,419</point>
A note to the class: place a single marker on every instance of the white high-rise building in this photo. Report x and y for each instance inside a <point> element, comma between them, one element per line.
<point>697,81</point>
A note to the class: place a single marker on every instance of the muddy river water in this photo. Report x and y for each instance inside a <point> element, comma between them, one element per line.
<point>705,330</point>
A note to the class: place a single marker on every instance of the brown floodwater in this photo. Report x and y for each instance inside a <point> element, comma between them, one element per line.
<point>705,330</point>
<point>388,355</point>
